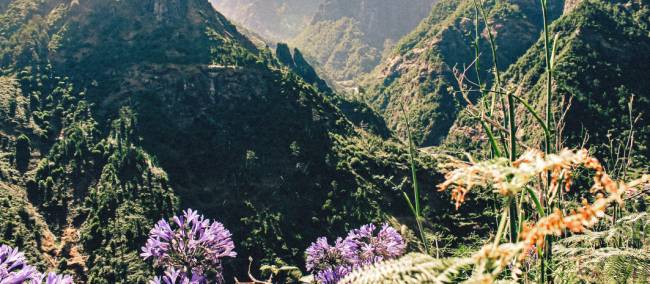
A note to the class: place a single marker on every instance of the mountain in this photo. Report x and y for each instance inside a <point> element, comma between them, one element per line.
<point>276,20</point>
<point>348,37</point>
<point>358,112</point>
<point>600,63</point>
<point>418,74</point>
<point>115,114</point>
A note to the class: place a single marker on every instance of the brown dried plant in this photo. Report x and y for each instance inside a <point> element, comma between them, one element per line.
<point>508,179</point>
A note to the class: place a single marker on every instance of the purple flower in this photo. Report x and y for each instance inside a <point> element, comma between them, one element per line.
<point>173,276</point>
<point>332,275</point>
<point>53,278</point>
<point>321,255</point>
<point>362,246</point>
<point>14,268</point>
<point>371,248</point>
<point>194,246</point>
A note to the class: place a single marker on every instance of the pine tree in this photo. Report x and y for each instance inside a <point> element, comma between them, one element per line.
<point>23,154</point>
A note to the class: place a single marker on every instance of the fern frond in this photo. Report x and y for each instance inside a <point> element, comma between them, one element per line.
<point>606,265</point>
<point>412,268</point>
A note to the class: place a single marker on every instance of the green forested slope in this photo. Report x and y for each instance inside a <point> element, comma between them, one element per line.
<point>600,64</point>
<point>136,109</point>
<point>418,74</point>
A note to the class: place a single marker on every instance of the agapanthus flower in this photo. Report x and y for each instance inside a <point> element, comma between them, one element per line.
<point>330,263</point>
<point>14,268</point>
<point>195,245</point>
<point>53,278</point>
<point>332,275</point>
<point>371,248</point>
<point>173,276</point>
<point>361,247</point>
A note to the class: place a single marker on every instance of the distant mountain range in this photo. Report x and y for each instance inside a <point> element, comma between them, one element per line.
<point>276,20</point>
<point>348,37</point>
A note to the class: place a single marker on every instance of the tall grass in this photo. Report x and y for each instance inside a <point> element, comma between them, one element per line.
<point>414,204</point>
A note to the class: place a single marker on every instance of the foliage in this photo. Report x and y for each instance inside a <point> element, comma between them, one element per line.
<point>358,112</point>
<point>495,261</point>
<point>23,153</point>
<point>135,108</point>
<point>411,268</point>
<point>618,254</point>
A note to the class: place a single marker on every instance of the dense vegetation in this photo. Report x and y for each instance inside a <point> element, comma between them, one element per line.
<point>132,111</point>
<point>419,74</point>
<point>605,108</point>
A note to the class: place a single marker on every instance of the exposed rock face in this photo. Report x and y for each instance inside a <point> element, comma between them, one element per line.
<point>166,9</point>
<point>570,5</point>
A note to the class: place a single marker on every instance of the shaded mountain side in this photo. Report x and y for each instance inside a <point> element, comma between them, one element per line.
<point>419,73</point>
<point>602,58</point>
<point>358,112</point>
<point>134,110</point>
<point>348,38</point>
<point>276,20</point>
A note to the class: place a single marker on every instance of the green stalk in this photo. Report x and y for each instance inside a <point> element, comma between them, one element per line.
<point>477,67</point>
<point>511,119</point>
<point>491,138</point>
<point>416,187</point>
<point>549,74</point>
<point>502,228</point>
<point>547,132</point>
<point>547,257</point>
<point>538,205</point>
<point>477,52</point>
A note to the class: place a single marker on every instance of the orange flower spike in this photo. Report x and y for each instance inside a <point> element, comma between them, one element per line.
<point>569,182</point>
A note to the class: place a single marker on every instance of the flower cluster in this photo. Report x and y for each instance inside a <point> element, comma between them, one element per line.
<point>53,278</point>
<point>14,270</point>
<point>195,246</point>
<point>330,263</point>
<point>511,178</point>
<point>173,276</point>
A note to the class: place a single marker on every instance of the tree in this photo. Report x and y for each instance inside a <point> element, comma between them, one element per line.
<point>23,152</point>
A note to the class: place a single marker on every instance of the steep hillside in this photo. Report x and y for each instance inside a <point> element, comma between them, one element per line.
<point>602,58</point>
<point>115,114</point>
<point>419,73</point>
<point>359,113</point>
<point>347,38</point>
<point>277,20</point>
